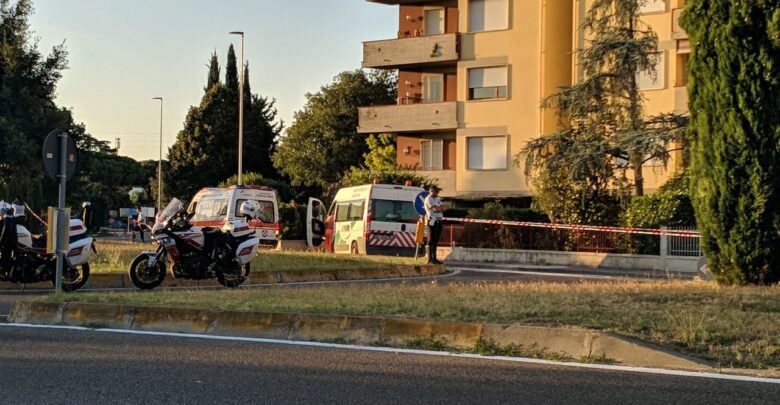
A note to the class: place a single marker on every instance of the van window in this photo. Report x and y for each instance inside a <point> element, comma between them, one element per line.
<point>350,211</point>
<point>210,209</point>
<point>266,213</point>
<point>394,211</point>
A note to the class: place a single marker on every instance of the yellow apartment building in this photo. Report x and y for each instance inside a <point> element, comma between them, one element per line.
<point>472,73</point>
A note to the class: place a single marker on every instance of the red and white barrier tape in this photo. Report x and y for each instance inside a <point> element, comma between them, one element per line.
<point>611,229</point>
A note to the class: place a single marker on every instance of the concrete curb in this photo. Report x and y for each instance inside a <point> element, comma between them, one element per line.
<point>573,342</point>
<point>120,280</point>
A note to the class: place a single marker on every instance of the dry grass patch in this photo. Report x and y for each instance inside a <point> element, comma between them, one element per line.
<point>115,257</point>
<point>733,326</point>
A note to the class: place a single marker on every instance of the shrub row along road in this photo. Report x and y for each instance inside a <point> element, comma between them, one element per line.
<point>64,366</point>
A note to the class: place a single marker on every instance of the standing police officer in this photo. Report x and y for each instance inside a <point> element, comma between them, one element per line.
<point>434,214</point>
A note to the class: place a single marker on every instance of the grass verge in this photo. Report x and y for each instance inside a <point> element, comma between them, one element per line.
<point>115,257</point>
<point>733,326</point>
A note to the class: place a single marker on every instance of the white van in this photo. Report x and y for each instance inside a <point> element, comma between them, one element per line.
<point>213,206</point>
<point>370,219</point>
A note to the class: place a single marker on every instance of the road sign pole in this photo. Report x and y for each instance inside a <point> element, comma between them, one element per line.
<point>63,176</point>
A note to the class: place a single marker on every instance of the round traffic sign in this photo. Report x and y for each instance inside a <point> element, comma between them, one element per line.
<point>419,202</point>
<point>51,154</point>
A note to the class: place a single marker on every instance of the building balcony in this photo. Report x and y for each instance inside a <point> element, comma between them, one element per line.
<point>678,32</point>
<point>444,179</point>
<point>408,118</point>
<point>412,52</point>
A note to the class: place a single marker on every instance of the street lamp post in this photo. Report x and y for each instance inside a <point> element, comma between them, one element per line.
<point>240,112</point>
<point>159,163</point>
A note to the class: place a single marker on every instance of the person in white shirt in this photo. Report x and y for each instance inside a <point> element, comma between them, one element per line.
<point>140,222</point>
<point>434,214</point>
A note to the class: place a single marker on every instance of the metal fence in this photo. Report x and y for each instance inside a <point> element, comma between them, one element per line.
<point>678,246</point>
<point>491,236</point>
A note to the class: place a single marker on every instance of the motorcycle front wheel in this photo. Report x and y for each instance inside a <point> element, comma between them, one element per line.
<point>144,276</point>
<point>74,277</point>
<point>234,279</point>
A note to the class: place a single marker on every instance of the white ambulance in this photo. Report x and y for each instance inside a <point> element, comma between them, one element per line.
<point>370,219</point>
<point>213,206</point>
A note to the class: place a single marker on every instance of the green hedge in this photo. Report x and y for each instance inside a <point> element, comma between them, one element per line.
<point>669,206</point>
<point>495,210</point>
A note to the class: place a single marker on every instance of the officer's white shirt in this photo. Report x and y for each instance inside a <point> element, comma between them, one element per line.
<point>431,202</point>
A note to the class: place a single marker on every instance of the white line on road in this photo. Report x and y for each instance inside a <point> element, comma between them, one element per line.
<point>607,367</point>
<point>537,273</point>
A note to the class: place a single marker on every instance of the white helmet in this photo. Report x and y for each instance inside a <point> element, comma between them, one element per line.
<point>249,208</point>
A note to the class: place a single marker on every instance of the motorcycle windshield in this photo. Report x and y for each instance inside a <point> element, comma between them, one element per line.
<point>173,208</point>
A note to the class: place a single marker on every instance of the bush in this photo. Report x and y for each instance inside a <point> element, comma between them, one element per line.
<point>503,237</point>
<point>669,206</point>
<point>494,210</point>
<point>293,221</point>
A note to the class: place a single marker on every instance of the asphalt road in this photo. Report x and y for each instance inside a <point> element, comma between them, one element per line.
<point>45,366</point>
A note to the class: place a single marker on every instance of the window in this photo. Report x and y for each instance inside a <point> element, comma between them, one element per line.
<point>682,69</point>
<point>431,154</point>
<point>647,81</point>
<point>266,213</point>
<point>350,211</point>
<point>487,153</point>
<point>488,83</point>
<point>210,209</point>
<point>433,88</point>
<point>653,6</point>
<point>394,211</point>
<point>488,15</point>
<point>434,21</point>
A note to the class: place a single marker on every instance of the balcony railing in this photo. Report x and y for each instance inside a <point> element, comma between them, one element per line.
<point>411,52</point>
<point>408,118</point>
<point>677,31</point>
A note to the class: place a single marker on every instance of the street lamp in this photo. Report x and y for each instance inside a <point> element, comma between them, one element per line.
<point>159,163</point>
<point>240,111</point>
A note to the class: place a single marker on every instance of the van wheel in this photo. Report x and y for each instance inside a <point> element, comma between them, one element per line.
<point>354,249</point>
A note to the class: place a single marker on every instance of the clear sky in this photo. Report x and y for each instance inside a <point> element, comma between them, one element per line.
<point>122,53</point>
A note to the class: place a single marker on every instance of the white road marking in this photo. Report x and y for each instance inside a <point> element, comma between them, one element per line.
<point>607,367</point>
<point>538,273</point>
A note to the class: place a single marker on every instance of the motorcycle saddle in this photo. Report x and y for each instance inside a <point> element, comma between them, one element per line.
<point>210,231</point>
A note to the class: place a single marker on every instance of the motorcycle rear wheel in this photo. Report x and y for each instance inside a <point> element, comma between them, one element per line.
<point>74,277</point>
<point>234,280</point>
<point>145,277</point>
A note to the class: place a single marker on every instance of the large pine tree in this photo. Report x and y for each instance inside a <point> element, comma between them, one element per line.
<point>582,170</point>
<point>206,149</point>
<point>735,107</point>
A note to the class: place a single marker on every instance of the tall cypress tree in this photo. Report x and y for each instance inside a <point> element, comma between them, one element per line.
<point>231,72</point>
<point>214,72</point>
<point>735,107</point>
<point>206,148</point>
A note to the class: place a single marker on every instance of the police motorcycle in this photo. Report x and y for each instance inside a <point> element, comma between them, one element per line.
<point>23,257</point>
<point>197,253</point>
